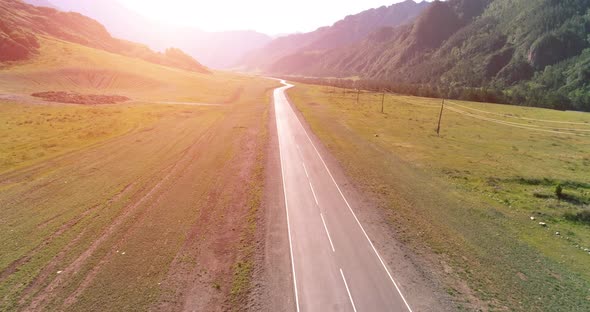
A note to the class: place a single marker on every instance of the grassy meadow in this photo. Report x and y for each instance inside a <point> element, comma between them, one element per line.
<point>474,196</point>
<point>64,66</point>
<point>35,132</point>
<point>131,206</point>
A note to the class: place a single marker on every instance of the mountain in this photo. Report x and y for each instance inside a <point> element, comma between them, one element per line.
<point>517,51</point>
<point>41,3</point>
<point>222,49</point>
<point>350,30</point>
<point>215,49</point>
<point>385,48</point>
<point>21,24</point>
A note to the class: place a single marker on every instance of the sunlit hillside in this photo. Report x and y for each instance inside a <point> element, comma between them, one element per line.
<point>65,66</point>
<point>21,24</point>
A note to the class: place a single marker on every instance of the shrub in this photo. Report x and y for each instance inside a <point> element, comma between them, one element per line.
<point>582,216</point>
<point>559,191</point>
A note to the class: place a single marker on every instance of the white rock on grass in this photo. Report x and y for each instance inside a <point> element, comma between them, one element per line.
<point>542,224</point>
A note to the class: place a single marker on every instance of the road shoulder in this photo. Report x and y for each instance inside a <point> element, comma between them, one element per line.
<point>273,286</point>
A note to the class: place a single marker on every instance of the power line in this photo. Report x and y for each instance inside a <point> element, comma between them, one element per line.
<point>523,118</point>
<point>511,124</point>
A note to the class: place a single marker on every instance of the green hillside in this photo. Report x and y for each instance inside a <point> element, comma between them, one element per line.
<point>526,52</point>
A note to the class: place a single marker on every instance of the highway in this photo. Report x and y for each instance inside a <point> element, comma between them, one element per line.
<point>334,264</point>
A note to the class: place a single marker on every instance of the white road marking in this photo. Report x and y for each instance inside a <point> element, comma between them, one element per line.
<point>355,217</point>
<point>288,226</point>
<point>348,290</point>
<point>305,169</point>
<point>313,192</point>
<point>327,232</point>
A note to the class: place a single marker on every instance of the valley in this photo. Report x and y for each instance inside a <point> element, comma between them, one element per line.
<point>372,164</point>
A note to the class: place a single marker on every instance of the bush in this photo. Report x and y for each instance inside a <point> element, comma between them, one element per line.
<point>582,216</point>
<point>559,191</point>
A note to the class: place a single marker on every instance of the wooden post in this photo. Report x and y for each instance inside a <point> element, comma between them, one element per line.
<point>440,117</point>
<point>383,102</point>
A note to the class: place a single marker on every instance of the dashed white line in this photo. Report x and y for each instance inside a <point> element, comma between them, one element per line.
<point>305,169</point>
<point>348,290</point>
<point>327,232</point>
<point>288,225</point>
<point>313,192</point>
<point>352,211</point>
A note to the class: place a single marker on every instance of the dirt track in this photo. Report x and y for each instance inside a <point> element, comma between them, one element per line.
<point>77,98</point>
<point>155,218</point>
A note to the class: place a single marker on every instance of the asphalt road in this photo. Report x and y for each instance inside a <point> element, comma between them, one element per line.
<point>334,264</point>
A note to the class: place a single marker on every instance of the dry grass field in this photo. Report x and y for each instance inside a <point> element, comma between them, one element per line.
<point>133,206</point>
<point>472,198</point>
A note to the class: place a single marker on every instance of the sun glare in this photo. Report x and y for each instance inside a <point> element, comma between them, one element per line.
<point>261,15</point>
<point>212,155</point>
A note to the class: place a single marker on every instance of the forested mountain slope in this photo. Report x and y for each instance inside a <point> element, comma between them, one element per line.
<point>532,52</point>
<point>347,31</point>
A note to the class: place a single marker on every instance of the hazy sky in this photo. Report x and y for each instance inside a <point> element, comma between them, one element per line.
<point>267,16</point>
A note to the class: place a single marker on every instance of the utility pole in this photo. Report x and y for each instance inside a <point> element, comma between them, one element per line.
<point>383,102</point>
<point>440,117</point>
